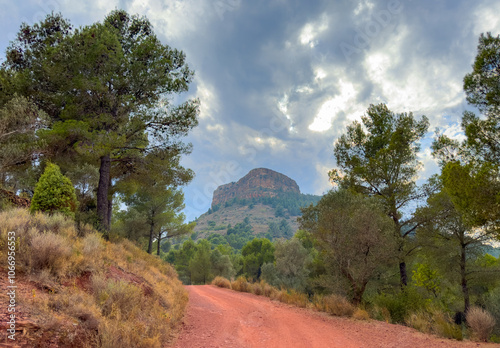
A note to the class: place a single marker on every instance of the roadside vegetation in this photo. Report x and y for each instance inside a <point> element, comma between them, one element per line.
<point>77,290</point>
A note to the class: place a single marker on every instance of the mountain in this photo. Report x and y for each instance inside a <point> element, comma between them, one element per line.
<point>260,182</point>
<point>263,202</point>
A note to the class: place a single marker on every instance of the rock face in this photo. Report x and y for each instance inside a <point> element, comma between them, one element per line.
<point>260,182</point>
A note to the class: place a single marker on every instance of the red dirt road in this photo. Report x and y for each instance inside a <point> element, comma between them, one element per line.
<point>224,318</point>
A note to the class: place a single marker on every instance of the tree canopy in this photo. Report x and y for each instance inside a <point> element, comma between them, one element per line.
<point>106,88</point>
<point>378,157</point>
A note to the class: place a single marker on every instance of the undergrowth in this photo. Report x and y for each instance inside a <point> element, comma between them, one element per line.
<point>87,292</point>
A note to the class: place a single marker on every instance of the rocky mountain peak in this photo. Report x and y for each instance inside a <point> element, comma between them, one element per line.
<point>259,182</point>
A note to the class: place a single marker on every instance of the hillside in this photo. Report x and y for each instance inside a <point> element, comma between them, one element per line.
<point>267,202</point>
<point>74,289</point>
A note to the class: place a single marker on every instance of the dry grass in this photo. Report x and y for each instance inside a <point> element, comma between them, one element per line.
<point>221,282</point>
<point>335,305</point>
<point>256,288</point>
<point>241,284</point>
<point>480,322</point>
<point>267,290</point>
<point>420,321</point>
<point>51,252</point>
<point>442,325</point>
<point>361,314</point>
<point>91,293</point>
<point>435,321</point>
<point>293,297</point>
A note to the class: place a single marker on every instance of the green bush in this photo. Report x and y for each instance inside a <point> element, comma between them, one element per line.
<point>54,192</point>
<point>400,305</point>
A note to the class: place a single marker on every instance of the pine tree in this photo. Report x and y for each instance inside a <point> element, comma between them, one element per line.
<point>54,192</point>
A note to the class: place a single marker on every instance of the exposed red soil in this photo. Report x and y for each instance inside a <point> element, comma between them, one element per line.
<point>219,317</point>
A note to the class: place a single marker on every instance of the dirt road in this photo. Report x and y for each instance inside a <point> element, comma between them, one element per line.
<point>224,318</point>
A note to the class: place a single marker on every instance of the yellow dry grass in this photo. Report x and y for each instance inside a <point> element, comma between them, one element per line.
<point>91,293</point>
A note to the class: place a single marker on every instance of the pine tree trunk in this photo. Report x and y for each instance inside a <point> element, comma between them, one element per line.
<point>151,236</point>
<point>403,275</point>
<point>110,203</point>
<point>159,242</point>
<point>102,193</point>
<point>463,275</point>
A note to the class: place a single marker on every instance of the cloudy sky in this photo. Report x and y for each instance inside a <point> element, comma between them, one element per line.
<point>279,80</point>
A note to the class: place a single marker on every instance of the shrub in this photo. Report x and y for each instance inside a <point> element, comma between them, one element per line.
<point>267,289</point>
<point>49,251</point>
<point>360,314</point>
<point>221,282</point>
<point>293,297</point>
<point>92,248</point>
<point>480,322</point>
<point>241,284</point>
<point>256,288</point>
<point>54,192</point>
<point>338,305</point>
<point>120,299</point>
<point>399,305</point>
<point>420,321</point>
<point>443,326</point>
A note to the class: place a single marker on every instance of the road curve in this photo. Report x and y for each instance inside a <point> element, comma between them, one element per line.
<point>224,318</point>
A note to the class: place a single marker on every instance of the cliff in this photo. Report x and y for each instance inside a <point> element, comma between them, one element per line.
<point>260,182</point>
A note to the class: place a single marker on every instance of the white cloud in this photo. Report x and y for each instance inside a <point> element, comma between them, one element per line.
<point>486,18</point>
<point>304,89</point>
<point>320,74</point>
<point>330,108</point>
<point>419,84</point>
<point>454,131</point>
<point>429,164</point>
<point>363,6</point>
<point>208,99</point>
<point>311,31</point>
<point>283,108</point>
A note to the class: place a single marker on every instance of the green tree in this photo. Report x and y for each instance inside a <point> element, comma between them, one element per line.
<point>445,229</point>
<point>471,168</point>
<point>159,212</point>
<point>106,89</point>
<point>19,122</point>
<point>291,266</point>
<point>428,278</point>
<point>54,192</point>
<point>255,253</point>
<point>378,157</point>
<point>355,235</point>
<point>221,265</point>
<point>200,265</point>
<point>181,258</point>
<point>483,91</point>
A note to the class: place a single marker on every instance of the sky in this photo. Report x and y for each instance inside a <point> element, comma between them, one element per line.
<point>279,80</point>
